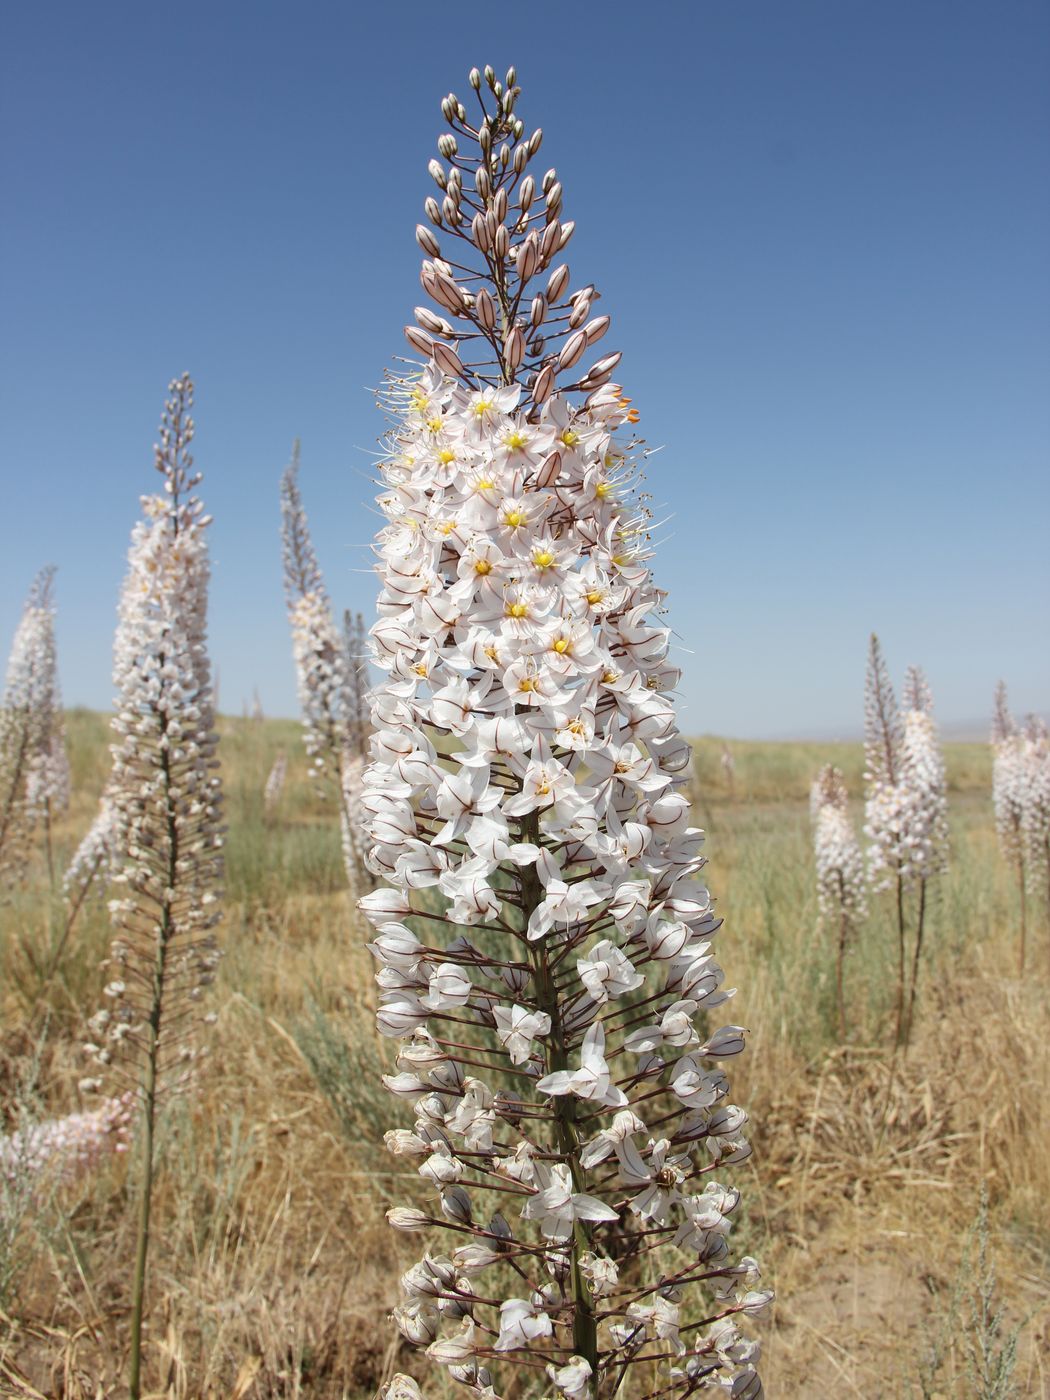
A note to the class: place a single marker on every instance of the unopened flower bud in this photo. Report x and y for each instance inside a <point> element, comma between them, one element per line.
<point>404,1218</point>
<point>455,1203</point>
<point>427,241</point>
<point>556,283</point>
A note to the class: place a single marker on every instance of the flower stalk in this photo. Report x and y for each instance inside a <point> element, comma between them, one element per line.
<point>841,877</point>
<point>905,811</point>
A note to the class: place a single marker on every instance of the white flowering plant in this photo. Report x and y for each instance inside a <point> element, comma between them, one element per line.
<point>543,934</point>
<point>905,809</point>
<point>841,874</point>
<point>166,798</point>
<point>330,692</point>
<point>34,767</point>
<point>1021,798</point>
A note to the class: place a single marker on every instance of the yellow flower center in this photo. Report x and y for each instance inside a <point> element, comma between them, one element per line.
<point>482,566</point>
<point>595,596</point>
<point>418,400</point>
<point>570,437</point>
<point>527,683</point>
<point>482,407</point>
<point>543,559</point>
<point>434,425</point>
<point>492,653</point>
<point>445,456</point>
<point>517,610</point>
<point>420,670</point>
<point>561,645</point>
<point>602,489</point>
<point>515,440</point>
<point>610,677</point>
<point>483,484</point>
<point>514,518</point>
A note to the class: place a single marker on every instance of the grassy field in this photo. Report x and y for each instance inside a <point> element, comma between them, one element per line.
<point>273,1268</point>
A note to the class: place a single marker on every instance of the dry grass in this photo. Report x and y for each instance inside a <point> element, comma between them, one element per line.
<point>273,1267</point>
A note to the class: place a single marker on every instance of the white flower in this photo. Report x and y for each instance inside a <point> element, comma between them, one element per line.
<point>556,1206</point>
<point>521,1322</point>
<point>516,1027</point>
<point>592,1079</point>
<point>573,1379</point>
<point>606,972</point>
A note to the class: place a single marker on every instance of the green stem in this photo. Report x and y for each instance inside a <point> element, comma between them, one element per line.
<point>915,961</point>
<point>165,932</point>
<point>1024,910</point>
<point>48,848</point>
<point>138,1287</point>
<point>584,1323</point>
<point>840,961</point>
<point>901,964</point>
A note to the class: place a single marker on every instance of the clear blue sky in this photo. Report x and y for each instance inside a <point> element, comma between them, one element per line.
<point>821,230</point>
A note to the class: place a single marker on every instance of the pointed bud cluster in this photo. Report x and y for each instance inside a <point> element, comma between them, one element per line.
<point>164,789</point>
<point>543,936</point>
<point>34,768</point>
<point>67,1148</point>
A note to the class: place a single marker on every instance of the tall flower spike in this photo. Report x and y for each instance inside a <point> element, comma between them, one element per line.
<point>167,797</point>
<point>31,744</point>
<point>317,646</point>
<point>1035,818</point>
<point>274,786</point>
<point>841,878</point>
<point>885,803</point>
<point>926,807</point>
<point>330,693</point>
<point>543,938</point>
<point>1009,784</point>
